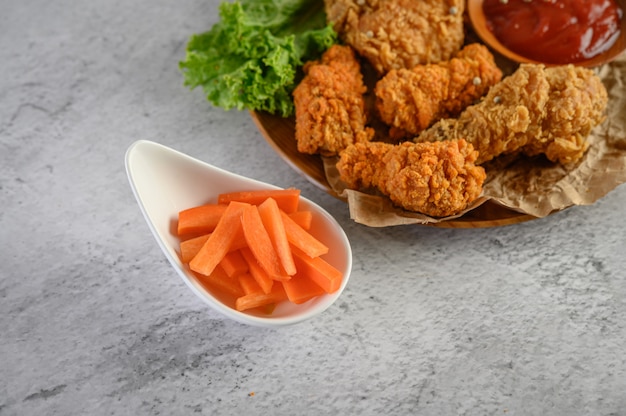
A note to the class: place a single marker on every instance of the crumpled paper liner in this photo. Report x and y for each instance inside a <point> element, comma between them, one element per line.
<point>531,186</point>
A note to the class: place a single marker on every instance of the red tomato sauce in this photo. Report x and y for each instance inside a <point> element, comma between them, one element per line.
<point>554,31</point>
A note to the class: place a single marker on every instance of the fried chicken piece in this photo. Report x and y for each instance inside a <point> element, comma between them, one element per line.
<point>410,100</point>
<point>330,108</point>
<point>393,34</point>
<point>535,110</point>
<point>437,179</point>
<point>577,103</point>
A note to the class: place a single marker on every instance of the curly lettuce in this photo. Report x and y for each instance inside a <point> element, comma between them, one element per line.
<point>251,58</point>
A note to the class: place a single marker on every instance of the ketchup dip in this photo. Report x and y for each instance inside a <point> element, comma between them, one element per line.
<point>554,31</point>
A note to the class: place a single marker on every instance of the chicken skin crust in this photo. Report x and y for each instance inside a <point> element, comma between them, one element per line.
<point>535,110</point>
<point>410,100</point>
<point>329,103</point>
<point>394,34</point>
<point>438,179</point>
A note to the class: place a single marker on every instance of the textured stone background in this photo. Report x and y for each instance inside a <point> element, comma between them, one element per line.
<point>521,320</point>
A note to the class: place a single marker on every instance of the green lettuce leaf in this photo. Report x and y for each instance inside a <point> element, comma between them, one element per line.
<point>251,58</point>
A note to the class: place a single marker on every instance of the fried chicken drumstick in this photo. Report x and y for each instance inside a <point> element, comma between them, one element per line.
<point>410,100</point>
<point>437,179</point>
<point>536,110</point>
<point>330,108</point>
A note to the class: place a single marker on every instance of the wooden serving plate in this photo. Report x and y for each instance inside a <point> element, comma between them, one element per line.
<point>279,132</point>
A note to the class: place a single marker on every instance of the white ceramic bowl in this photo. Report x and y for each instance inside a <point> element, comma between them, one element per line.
<point>166,181</point>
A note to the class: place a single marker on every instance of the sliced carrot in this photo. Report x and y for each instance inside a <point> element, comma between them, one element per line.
<point>300,288</point>
<point>302,239</point>
<point>254,300</point>
<point>319,270</point>
<point>253,250</point>
<point>200,220</point>
<point>260,243</point>
<point>189,248</point>
<point>234,264</point>
<point>287,199</point>
<point>302,218</point>
<point>220,241</point>
<point>273,222</point>
<point>248,284</point>
<point>239,241</point>
<point>257,271</point>
<point>218,279</point>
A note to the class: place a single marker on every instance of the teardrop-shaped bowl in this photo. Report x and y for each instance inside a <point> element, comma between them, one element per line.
<point>165,181</point>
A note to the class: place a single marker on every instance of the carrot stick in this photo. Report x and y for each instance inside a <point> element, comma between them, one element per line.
<point>302,218</point>
<point>302,239</point>
<point>189,248</point>
<point>273,222</point>
<point>218,279</point>
<point>300,288</point>
<point>200,220</point>
<point>254,300</point>
<point>248,284</point>
<point>260,243</point>
<point>234,264</point>
<point>220,241</point>
<point>287,199</point>
<point>239,241</point>
<point>257,271</point>
<point>317,269</point>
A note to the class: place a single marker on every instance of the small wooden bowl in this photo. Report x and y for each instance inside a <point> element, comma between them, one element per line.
<point>479,23</point>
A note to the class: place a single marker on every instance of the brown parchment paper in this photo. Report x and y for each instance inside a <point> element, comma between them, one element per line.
<point>531,186</point>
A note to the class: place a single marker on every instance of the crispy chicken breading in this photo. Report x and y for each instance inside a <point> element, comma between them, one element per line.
<point>393,34</point>
<point>535,110</point>
<point>437,179</point>
<point>329,103</point>
<point>410,100</point>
